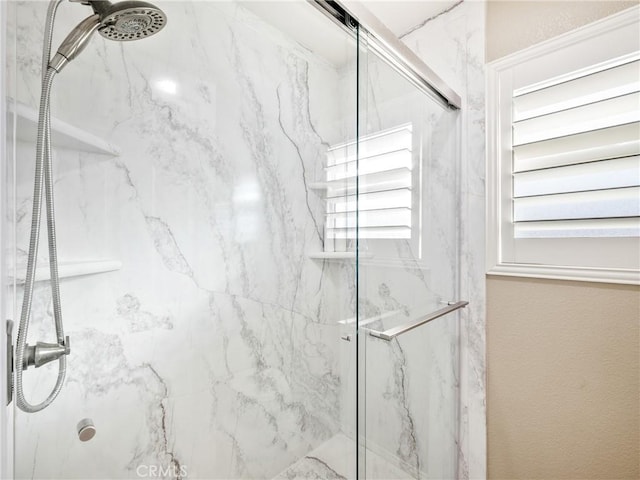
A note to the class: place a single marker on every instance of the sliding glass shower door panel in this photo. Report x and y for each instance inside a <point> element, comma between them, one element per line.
<point>407,235</point>
<point>210,305</point>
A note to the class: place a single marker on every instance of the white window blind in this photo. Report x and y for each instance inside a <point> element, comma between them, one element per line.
<point>563,155</point>
<point>576,154</point>
<point>383,174</point>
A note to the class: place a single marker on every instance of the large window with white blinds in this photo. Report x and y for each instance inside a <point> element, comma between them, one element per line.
<point>564,156</point>
<point>384,177</point>
<point>576,154</point>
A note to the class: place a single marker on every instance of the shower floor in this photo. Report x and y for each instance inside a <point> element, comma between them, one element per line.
<point>334,460</point>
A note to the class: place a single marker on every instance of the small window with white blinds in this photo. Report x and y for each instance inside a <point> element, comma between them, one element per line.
<point>563,156</point>
<point>576,155</point>
<point>383,177</point>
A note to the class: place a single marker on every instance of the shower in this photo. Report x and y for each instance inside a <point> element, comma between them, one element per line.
<point>123,21</point>
<point>258,257</point>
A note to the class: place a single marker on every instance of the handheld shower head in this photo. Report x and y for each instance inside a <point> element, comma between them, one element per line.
<point>75,42</point>
<point>127,20</point>
<point>131,20</point>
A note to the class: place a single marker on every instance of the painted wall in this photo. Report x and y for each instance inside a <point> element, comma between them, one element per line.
<point>514,25</point>
<point>563,379</point>
<point>562,357</point>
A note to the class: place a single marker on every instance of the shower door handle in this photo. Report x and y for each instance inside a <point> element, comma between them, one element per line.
<point>392,333</point>
<point>9,333</point>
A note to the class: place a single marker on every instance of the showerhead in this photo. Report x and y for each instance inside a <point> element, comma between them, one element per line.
<point>123,21</point>
<point>129,20</point>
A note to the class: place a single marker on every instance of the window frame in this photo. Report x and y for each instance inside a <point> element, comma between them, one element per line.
<point>596,43</point>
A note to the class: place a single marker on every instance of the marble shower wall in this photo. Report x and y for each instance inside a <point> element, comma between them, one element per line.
<point>411,383</point>
<point>214,351</point>
<point>8,167</point>
<point>452,44</point>
<point>425,393</point>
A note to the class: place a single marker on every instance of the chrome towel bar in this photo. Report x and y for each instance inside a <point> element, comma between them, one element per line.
<point>392,333</point>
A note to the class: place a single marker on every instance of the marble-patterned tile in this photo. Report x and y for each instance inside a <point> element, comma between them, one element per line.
<point>217,348</point>
<point>214,351</point>
<point>335,459</point>
<point>459,34</point>
<point>410,386</point>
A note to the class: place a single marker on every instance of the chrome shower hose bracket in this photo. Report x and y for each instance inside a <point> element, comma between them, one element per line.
<point>37,355</point>
<point>42,353</point>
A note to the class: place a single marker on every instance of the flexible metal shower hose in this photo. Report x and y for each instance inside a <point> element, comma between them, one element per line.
<point>43,178</point>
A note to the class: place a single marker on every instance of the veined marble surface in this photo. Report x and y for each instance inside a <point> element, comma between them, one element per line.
<point>459,59</point>
<point>214,352</point>
<point>410,384</point>
<point>335,459</point>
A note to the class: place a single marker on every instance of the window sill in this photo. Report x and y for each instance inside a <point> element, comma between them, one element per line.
<point>581,274</point>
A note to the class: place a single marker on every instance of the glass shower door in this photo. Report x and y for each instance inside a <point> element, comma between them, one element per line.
<point>205,305</point>
<point>244,248</point>
<point>407,270</point>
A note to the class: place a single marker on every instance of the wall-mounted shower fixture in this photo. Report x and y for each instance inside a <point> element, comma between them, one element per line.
<point>42,353</point>
<point>123,21</point>
<point>127,20</point>
<point>86,429</point>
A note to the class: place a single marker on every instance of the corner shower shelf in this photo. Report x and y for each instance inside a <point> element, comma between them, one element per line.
<point>372,260</point>
<point>63,134</point>
<point>70,269</point>
<point>337,255</point>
